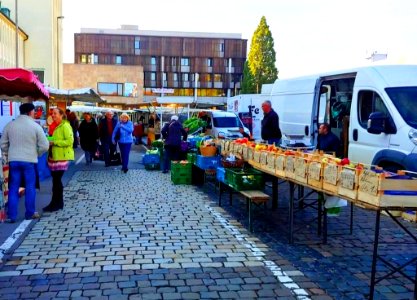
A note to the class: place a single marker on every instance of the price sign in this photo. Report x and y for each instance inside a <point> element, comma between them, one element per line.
<point>256,156</point>
<point>330,174</point>
<point>270,160</point>
<point>290,164</point>
<point>347,178</point>
<point>314,170</point>
<point>245,153</point>
<point>279,163</point>
<point>250,153</point>
<point>368,182</point>
<point>263,157</point>
<point>300,167</point>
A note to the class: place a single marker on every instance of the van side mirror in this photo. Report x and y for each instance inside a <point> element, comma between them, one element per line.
<point>376,123</point>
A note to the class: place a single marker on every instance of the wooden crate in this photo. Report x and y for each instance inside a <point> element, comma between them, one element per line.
<point>348,182</point>
<point>263,158</point>
<point>270,162</point>
<point>289,166</point>
<point>257,156</point>
<point>383,189</point>
<point>280,164</point>
<point>245,152</point>
<point>250,153</point>
<point>315,174</point>
<point>300,168</point>
<point>330,177</point>
<point>238,149</point>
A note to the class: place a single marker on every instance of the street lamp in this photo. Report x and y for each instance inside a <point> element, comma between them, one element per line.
<point>57,48</point>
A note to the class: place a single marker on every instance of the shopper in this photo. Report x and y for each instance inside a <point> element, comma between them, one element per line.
<point>105,130</point>
<point>172,134</point>
<point>124,131</point>
<point>74,122</point>
<point>270,131</point>
<point>22,142</point>
<point>60,153</point>
<point>88,131</point>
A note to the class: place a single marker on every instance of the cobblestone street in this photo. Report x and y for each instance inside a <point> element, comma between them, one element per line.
<point>138,236</point>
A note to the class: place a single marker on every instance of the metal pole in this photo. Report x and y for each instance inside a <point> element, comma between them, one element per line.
<point>57,49</point>
<point>17,34</point>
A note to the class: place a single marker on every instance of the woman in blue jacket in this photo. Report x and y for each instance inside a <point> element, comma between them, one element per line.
<point>122,134</point>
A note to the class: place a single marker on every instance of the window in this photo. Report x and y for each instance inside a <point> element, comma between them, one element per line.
<point>205,77</point>
<point>221,47</point>
<point>93,58</point>
<point>164,76</point>
<point>110,89</point>
<point>217,77</point>
<point>173,61</point>
<point>370,102</point>
<point>209,62</point>
<point>185,77</point>
<point>185,61</point>
<point>404,99</point>
<point>153,76</point>
<point>83,58</point>
<point>226,122</point>
<point>118,59</point>
<point>153,60</point>
<point>175,76</point>
<point>137,43</point>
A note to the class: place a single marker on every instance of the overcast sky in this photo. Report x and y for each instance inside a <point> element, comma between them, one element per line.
<point>311,36</point>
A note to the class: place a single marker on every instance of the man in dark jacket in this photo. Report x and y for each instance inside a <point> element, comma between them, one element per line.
<point>327,140</point>
<point>105,130</point>
<point>172,133</point>
<point>270,131</point>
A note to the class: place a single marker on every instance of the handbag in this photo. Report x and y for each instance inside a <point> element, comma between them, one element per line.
<point>184,146</point>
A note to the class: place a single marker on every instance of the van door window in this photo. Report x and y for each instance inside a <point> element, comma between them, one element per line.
<point>404,99</point>
<point>370,102</point>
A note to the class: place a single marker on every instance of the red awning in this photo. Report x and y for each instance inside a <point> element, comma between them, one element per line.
<point>21,85</point>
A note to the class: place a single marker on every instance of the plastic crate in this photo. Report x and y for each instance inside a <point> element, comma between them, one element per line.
<point>181,180</point>
<point>207,162</point>
<point>151,167</point>
<point>244,179</point>
<point>221,174</point>
<point>180,168</point>
<point>151,159</point>
<point>193,141</point>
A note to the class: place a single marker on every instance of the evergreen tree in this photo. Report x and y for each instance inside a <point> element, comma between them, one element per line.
<point>261,60</point>
<point>248,86</point>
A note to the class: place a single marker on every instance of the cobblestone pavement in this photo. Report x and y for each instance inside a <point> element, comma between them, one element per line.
<point>138,236</point>
<point>124,236</point>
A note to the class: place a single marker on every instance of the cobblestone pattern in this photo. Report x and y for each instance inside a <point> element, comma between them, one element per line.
<point>137,236</point>
<point>342,267</point>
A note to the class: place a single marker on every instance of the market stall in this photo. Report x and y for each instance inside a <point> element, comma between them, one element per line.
<point>368,187</point>
<point>18,85</point>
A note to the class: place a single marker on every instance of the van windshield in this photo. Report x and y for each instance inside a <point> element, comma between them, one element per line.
<point>224,122</point>
<point>405,100</point>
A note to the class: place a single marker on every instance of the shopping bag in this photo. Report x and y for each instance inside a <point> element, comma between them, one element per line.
<point>115,159</point>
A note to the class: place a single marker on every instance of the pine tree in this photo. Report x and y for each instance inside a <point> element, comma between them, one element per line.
<point>248,86</point>
<point>261,60</point>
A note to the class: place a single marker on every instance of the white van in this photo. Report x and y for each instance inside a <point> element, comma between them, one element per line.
<point>223,124</point>
<point>372,109</point>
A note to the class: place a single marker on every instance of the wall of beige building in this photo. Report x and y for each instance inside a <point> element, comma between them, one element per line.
<point>88,75</point>
<point>43,49</point>
<point>8,44</point>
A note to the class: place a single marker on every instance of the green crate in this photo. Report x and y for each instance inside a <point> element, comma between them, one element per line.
<point>244,179</point>
<point>181,180</point>
<point>181,168</point>
<point>151,167</point>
